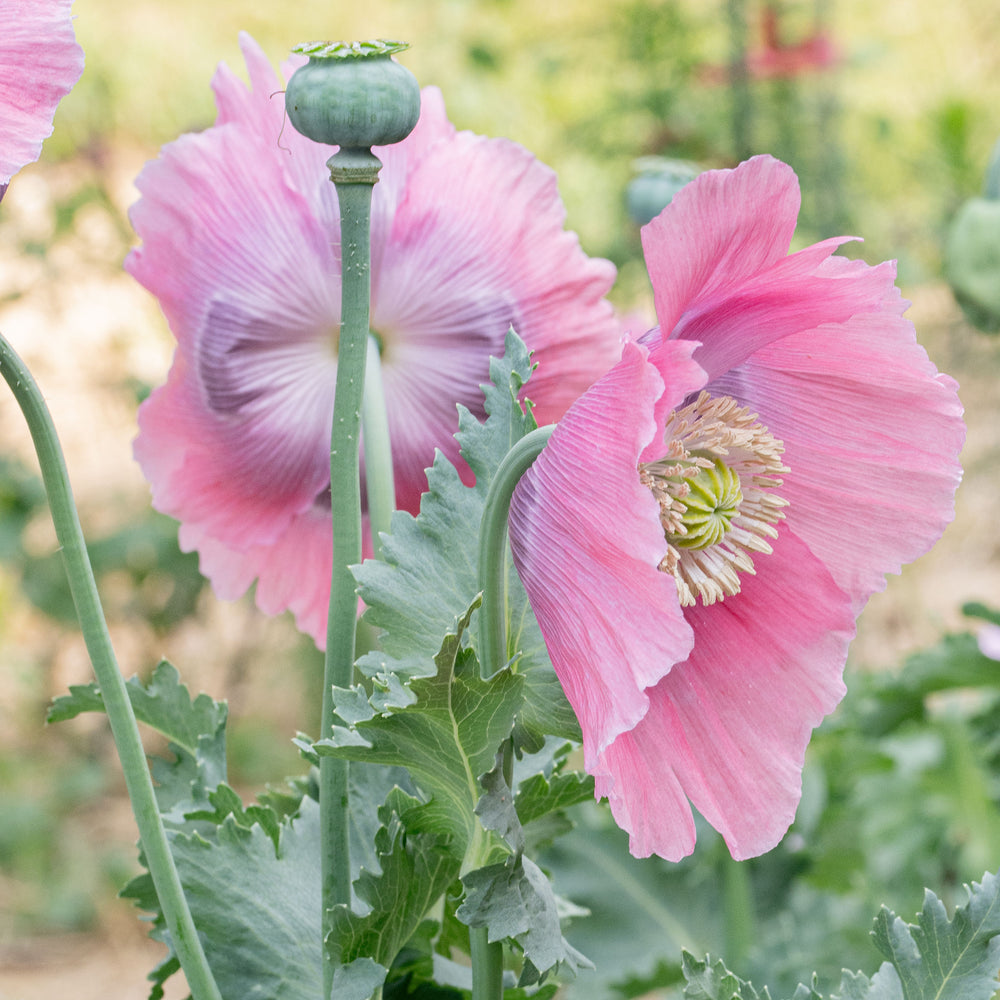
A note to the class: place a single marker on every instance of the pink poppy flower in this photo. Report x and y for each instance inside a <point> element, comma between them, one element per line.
<point>240,231</point>
<point>39,64</point>
<point>708,520</point>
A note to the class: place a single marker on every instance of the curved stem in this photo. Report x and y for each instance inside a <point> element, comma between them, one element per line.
<point>487,958</point>
<point>380,487</point>
<point>354,171</point>
<point>155,847</point>
<point>493,548</point>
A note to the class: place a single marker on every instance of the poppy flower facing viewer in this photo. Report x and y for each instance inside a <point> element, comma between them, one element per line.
<point>708,520</point>
<point>240,244</point>
<point>40,62</point>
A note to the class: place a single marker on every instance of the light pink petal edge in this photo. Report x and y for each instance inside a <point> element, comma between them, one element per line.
<point>40,61</point>
<point>721,229</point>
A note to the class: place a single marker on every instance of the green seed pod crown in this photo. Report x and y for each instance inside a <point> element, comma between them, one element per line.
<point>352,94</point>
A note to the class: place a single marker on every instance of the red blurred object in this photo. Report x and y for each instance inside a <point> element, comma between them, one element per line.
<point>776,59</point>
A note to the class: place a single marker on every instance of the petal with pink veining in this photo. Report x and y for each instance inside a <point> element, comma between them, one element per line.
<point>721,230</point>
<point>586,539</point>
<point>817,347</point>
<point>872,433</point>
<point>247,408</point>
<point>40,62</point>
<point>728,727</point>
<point>293,573</point>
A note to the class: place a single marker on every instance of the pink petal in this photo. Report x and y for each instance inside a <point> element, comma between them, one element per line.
<point>293,574</point>
<point>729,283</point>
<point>244,472</point>
<point>817,345</point>
<point>872,433</point>
<point>586,539</point>
<point>493,262</point>
<point>728,727</point>
<point>722,229</point>
<point>503,256</point>
<point>40,63</point>
<point>239,437</point>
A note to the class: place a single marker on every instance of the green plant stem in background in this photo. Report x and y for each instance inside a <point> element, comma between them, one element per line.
<point>380,487</point>
<point>487,966</point>
<point>354,171</point>
<point>183,934</point>
<point>493,653</point>
<point>738,907</point>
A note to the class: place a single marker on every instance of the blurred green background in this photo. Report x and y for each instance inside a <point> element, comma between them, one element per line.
<point>895,127</point>
<point>887,111</point>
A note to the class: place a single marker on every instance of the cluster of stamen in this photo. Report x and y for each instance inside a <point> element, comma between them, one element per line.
<point>712,485</point>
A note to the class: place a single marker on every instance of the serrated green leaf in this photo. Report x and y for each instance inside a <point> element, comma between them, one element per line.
<point>539,795</point>
<point>884,985</point>
<point>642,911</point>
<point>195,729</point>
<point>446,737</point>
<point>495,808</point>
<point>415,871</point>
<point>164,704</point>
<point>937,957</point>
<point>710,980</point>
<point>257,909</point>
<point>515,900</point>
<point>357,980</point>
<point>227,804</point>
<point>428,572</point>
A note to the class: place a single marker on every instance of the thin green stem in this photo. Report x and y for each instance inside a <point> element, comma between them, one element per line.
<point>487,965</point>
<point>354,171</point>
<point>183,934</point>
<point>380,487</point>
<point>493,548</point>
<point>738,907</point>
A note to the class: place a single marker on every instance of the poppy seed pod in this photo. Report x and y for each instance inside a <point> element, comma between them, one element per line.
<point>352,94</point>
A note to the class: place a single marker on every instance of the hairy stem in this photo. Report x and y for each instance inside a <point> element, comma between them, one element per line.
<point>183,934</point>
<point>354,171</point>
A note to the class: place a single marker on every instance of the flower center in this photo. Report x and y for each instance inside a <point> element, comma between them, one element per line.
<point>713,486</point>
<point>711,503</point>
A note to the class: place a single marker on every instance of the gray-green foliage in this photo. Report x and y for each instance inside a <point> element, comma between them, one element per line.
<point>935,959</point>
<point>424,732</point>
